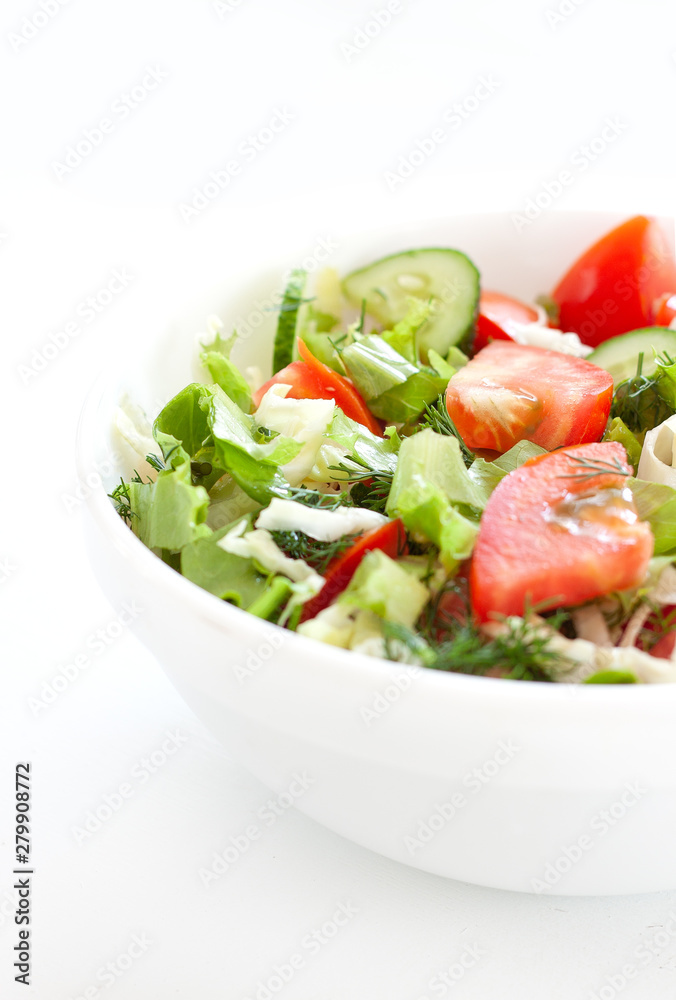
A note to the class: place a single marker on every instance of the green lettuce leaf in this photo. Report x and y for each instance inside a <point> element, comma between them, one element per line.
<point>223,574</point>
<point>171,512</point>
<point>216,359</point>
<point>487,475</point>
<point>252,464</point>
<point>183,420</point>
<point>656,504</point>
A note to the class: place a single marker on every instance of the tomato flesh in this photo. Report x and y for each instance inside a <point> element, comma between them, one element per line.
<point>615,285</point>
<point>555,532</point>
<point>510,392</point>
<point>498,314</point>
<point>390,537</point>
<point>311,379</point>
<point>665,310</point>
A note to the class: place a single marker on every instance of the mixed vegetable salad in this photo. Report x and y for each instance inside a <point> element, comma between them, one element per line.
<point>438,473</point>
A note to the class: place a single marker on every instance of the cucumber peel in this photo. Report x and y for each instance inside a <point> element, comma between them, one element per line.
<point>619,355</point>
<point>446,278</point>
<point>287,324</point>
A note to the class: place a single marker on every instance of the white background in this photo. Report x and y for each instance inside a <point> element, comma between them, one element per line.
<point>355,111</point>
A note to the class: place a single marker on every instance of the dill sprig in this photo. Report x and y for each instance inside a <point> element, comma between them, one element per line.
<point>370,488</point>
<point>121,499</point>
<point>589,468</point>
<point>437,418</point>
<point>155,462</point>
<point>637,400</point>
<point>298,545</point>
<point>449,640</point>
<point>313,498</point>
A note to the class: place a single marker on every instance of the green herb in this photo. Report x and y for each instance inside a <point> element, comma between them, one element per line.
<point>155,462</point>
<point>438,419</point>
<point>588,468</point>
<point>522,652</point>
<point>121,499</point>
<point>313,498</point>
<point>638,401</point>
<point>298,545</point>
<point>370,489</point>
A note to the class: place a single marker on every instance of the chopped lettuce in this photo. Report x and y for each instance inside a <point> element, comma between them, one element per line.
<point>169,513</point>
<point>487,475</point>
<point>253,465</point>
<point>387,588</point>
<point>223,574</point>
<point>216,359</point>
<point>656,504</point>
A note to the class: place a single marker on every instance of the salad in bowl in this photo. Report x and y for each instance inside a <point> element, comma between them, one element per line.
<point>436,472</point>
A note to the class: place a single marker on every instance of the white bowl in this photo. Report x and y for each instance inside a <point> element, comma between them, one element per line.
<point>526,786</point>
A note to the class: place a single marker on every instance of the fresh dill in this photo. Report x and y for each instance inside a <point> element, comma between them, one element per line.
<point>121,499</point>
<point>521,652</point>
<point>637,400</point>
<point>437,418</point>
<point>313,498</point>
<point>155,462</point>
<point>588,468</point>
<point>298,545</point>
<point>370,488</point>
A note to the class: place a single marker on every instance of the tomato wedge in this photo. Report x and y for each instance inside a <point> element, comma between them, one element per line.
<point>665,310</point>
<point>615,285</point>
<point>311,379</point>
<point>497,315</point>
<point>559,530</point>
<point>390,537</point>
<point>510,392</point>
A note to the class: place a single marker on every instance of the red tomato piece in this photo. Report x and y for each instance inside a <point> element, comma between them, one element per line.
<point>311,379</point>
<point>497,315</point>
<point>390,537</point>
<point>613,287</point>
<point>664,647</point>
<point>510,392</point>
<point>665,310</point>
<point>341,389</point>
<point>304,383</point>
<point>559,531</point>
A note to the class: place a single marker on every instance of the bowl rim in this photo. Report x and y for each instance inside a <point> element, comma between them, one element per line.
<point>230,618</point>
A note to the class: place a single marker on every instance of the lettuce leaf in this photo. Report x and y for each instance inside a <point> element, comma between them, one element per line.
<point>171,512</point>
<point>656,504</point>
<point>252,464</point>
<point>216,359</point>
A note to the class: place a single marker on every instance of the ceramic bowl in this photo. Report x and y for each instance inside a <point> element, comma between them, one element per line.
<point>526,786</point>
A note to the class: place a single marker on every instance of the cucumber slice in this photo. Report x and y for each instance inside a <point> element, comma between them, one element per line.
<point>448,277</point>
<point>287,324</point>
<point>619,355</point>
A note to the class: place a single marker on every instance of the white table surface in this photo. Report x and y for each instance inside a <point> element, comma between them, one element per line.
<point>130,892</point>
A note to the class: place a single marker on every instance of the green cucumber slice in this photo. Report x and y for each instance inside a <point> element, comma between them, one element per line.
<point>448,277</point>
<point>619,355</point>
<point>287,324</point>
